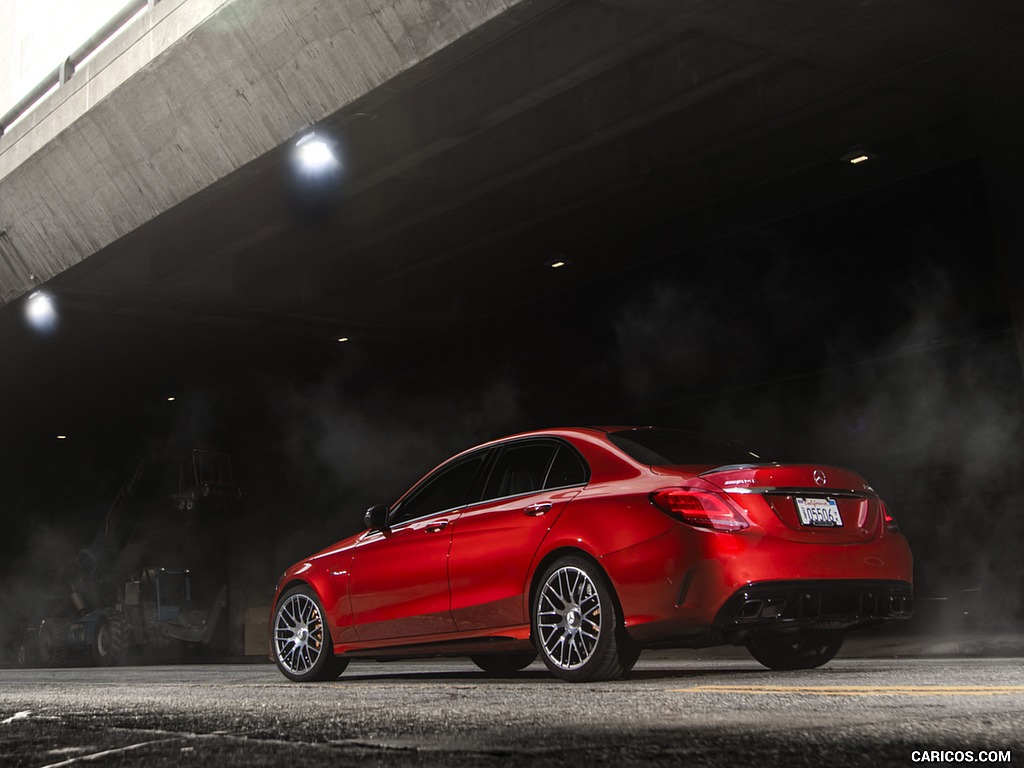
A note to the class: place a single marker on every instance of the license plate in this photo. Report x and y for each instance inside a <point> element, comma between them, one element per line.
<point>821,513</point>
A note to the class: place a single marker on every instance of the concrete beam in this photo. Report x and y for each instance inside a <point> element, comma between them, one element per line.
<point>194,90</point>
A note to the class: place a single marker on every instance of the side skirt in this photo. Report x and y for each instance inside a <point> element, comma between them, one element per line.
<point>512,640</point>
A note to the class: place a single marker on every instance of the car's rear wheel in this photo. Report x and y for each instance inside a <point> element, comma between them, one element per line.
<point>576,623</point>
<point>504,663</point>
<point>302,643</point>
<point>798,649</point>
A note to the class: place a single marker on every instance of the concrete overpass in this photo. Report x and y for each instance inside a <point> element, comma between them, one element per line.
<point>480,140</point>
<point>194,91</point>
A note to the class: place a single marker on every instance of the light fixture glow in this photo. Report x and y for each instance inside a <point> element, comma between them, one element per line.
<point>557,262</point>
<point>857,155</point>
<point>41,312</point>
<point>170,399</point>
<point>62,437</point>
<point>315,154</point>
<point>343,339</point>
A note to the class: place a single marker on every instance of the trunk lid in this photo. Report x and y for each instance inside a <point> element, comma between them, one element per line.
<point>803,502</point>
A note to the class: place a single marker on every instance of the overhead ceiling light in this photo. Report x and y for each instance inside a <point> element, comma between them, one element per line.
<point>557,262</point>
<point>343,339</point>
<point>40,311</point>
<point>857,155</point>
<point>170,398</point>
<point>315,154</point>
<point>62,437</point>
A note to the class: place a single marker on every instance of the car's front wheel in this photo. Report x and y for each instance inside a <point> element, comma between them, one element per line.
<point>796,649</point>
<point>302,643</point>
<point>576,624</point>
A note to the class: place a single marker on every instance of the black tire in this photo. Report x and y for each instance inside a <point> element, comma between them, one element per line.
<point>799,649</point>
<point>504,663</point>
<point>301,639</point>
<point>110,642</point>
<point>576,623</point>
<point>54,642</point>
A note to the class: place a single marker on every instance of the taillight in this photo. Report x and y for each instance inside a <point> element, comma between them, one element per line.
<point>890,521</point>
<point>704,509</point>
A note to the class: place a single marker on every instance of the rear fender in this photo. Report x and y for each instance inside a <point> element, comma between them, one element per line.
<point>597,525</point>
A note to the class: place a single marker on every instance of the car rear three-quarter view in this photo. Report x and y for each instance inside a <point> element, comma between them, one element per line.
<point>585,546</point>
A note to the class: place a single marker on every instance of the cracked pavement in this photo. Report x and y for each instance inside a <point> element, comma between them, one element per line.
<point>676,708</point>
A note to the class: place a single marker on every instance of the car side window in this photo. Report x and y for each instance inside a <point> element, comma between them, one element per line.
<point>447,489</point>
<point>521,468</point>
<point>567,469</point>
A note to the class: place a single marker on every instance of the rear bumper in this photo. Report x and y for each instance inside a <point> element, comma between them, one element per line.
<point>783,604</point>
<point>676,586</point>
<point>835,604</point>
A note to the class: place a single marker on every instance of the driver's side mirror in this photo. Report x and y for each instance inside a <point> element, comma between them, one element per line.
<point>376,517</point>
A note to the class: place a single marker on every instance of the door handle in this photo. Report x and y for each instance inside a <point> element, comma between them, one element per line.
<point>436,527</point>
<point>538,509</point>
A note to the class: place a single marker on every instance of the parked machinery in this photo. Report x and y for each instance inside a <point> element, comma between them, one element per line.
<point>154,612</point>
<point>206,476</point>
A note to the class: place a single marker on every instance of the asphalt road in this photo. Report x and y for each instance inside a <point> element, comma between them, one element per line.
<point>675,709</point>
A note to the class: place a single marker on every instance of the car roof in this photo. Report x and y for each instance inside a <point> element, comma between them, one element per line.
<point>578,431</point>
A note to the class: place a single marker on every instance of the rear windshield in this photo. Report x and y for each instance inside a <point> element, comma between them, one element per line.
<point>667,447</point>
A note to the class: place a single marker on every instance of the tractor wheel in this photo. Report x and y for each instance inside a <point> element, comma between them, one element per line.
<point>54,642</point>
<point>110,643</point>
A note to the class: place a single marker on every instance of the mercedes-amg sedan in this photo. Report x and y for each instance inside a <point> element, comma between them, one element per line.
<point>585,546</point>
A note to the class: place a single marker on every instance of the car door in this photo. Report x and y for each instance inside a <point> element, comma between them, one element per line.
<point>494,541</point>
<point>399,580</point>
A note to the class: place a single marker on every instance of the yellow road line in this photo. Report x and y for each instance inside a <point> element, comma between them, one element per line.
<point>859,690</point>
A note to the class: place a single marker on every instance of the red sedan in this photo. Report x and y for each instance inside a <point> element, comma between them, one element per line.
<point>586,545</point>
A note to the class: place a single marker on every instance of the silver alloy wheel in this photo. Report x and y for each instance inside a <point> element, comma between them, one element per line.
<point>298,633</point>
<point>569,617</point>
